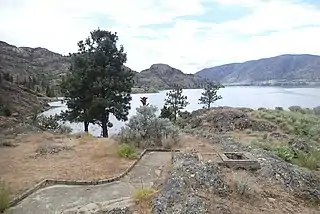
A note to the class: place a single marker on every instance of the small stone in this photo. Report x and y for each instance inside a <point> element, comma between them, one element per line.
<point>272,200</point>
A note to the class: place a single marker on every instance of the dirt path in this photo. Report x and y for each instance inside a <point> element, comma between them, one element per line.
<point>57,198</point>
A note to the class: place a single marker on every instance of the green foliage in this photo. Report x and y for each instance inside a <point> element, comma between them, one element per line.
<point>50,92</point>
<point>310,161</point>
<point>297,121</point>
<point>209,95</point>
<point>147,130</point>
<point>4,197</point>
<point>143,194</point>
<point>126,151</point>
<point>174,103</point>
<point>166,112</point>
<point>286,153</point>
<point>51,123</point>
<point>98,85</point>
<point>144,101</point>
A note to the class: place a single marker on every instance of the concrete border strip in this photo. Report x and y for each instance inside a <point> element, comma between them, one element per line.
<point>52,182</point>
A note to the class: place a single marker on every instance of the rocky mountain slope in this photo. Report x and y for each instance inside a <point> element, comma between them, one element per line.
<point>21,62</point>
<point>20,101</point>
<point>284,69</point>
<point>162,76</point>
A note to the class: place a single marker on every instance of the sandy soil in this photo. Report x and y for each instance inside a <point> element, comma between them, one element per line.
<point>86,158</point>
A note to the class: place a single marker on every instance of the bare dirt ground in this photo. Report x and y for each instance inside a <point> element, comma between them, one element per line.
<point>81,158</point>
<point>87,158</point>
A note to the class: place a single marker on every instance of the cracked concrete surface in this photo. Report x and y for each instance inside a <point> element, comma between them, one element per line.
<point>58,198</point>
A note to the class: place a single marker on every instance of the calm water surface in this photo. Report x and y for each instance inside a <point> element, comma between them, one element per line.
<point>252,97</point>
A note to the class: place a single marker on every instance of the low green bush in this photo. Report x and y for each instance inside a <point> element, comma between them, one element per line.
<point>126,151</point>
<point>286,153</point>
<point>310,161</point>
<point>298,121</point>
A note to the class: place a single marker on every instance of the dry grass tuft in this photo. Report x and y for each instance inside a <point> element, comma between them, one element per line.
<point>143,197</point>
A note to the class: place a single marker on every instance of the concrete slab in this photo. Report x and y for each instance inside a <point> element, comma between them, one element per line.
<point>239,160</point>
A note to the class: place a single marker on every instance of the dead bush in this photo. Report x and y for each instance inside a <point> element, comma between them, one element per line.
<point>51,148</point>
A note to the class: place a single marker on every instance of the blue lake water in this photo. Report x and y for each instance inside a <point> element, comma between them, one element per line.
<point>252,97</point>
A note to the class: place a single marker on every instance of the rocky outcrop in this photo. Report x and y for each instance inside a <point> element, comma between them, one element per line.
<point>225,119</point>
<point>25,61</point>
<point>214,123</point>
<point>19,100</point>
<point>189,181</point>
<point>162,76</point>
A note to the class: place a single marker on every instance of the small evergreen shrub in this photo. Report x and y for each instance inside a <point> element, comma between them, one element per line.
<point>51,123</point>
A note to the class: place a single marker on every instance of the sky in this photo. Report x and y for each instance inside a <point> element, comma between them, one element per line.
<point>186,34</point>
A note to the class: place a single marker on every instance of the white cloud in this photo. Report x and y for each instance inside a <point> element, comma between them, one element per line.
<point>189,45</point>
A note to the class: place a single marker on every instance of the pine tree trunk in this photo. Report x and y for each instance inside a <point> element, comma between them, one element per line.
<point>86,126</point>
<point>105,120</point>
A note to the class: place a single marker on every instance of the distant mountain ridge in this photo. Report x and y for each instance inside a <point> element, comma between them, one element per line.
<point>283,69</point>
<point>25,61</point>
<point>22,62</point>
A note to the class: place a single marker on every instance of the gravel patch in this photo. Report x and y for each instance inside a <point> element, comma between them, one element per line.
<point>189,186</point>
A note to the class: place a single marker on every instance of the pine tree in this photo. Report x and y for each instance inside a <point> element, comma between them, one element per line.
<point>98,84</point>
<point>209,95</point>
<point>6,76</point>
<point>77,89</point>
<point>144,101</point>
<point>175,102</point>
<point>50,91</point>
